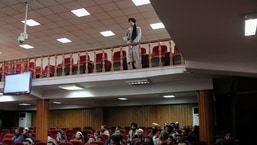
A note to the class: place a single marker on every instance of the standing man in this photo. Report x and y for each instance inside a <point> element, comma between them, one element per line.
<point>133,35</point>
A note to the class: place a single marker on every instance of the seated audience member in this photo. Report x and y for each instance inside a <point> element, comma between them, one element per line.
<point>163,137</point>
<point>52,142</point>
<point>27,141</point>
<point>170,140</point>
<point>194,134</point>
<point>227,140</point>
<point>18,137</point>
<point>60,136</point>
<point>155,129</point>
<point>27,134</point>
<point>104,130</point>
<point>148,140</point>
<point>96,137</point>
<point>116,140</point>
<point>183,142</point>
<point>132,131</point>
<point>78,136</point>
<point>139,137</point>
<point>86,136</point>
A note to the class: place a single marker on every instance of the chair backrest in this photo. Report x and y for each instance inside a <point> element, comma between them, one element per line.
<point>68,60</point>
<point>116,55</point>
<point>100,57</point>
<point>40,143</point>
<point>104,137</point>
<point>155,52</point>
<point>53,133</point>
<point>69,135</point>
<point>8,141</point>
<point>8,136</point>
<point>18,67</point>
<point>97,142</point>
<point>65,143</point>
<point>143,51</point>
<point>76,142</point>
<point>82,59</point>
<point>18,143</point>
<point>76,129</point>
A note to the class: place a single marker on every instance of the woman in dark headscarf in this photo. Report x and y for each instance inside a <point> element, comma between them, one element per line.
<point>133,35</point>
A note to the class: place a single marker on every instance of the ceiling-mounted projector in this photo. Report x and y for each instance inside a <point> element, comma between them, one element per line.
<point>24,35</point>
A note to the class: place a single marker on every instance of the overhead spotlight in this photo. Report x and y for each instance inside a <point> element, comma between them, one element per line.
<point>24,35</point>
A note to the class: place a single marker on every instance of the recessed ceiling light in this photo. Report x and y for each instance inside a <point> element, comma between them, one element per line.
<point>107,33</point>
<point>169,96</point>
<point>80,12</point>
<point>70,87</point>
<point>26,46</point>
<point>55,102</point>
<point>64,40</point>
<point>157,25</point>
<point>24,104</point>
<point>141,2</point>
<point>123,99</point>
<point>31,22</point>
<point>250,27</point>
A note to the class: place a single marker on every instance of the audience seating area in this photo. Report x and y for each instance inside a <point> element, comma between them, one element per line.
<point>6,135</point>
<point>155,53</point>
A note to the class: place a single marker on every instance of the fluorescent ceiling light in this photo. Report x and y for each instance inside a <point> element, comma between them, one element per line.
<point>169,96</point>
<point>141,2</point>
<point>64,40</point>
<point>157,25</point>
<point>138,82</point>
<point>24,104</point>
<point>250,27</point>
<point>70,87</point>
<point>123,99</point>
<point>80,12</point>
<point>26,46</point>
<point>55,102</point>
<point>107,33</point>
<point>31,22</point>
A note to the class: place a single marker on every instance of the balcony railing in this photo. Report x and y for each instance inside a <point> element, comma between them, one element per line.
<point>156,53</point>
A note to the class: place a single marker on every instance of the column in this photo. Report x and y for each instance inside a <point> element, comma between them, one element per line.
<point>42,120</point>
<point>206,116</point>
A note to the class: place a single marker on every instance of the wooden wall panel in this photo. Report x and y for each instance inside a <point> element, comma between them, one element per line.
<point>122,116</point>
<point>146,115</point>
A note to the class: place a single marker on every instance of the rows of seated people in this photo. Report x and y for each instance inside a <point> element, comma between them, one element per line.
<point>84,64</point>
<point>168,134</point>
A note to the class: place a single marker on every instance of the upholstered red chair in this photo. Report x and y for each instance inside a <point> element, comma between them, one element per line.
<point>156,54</point>
<point>8,141</point>
<point>101,58</point>
<point>18,143</point>
<point>76,142</point>
<point>65,66</point>
<point>176,56</point>
<point>97,142</point>
<point>81,64</point>
<point>65,143</point>
<point>117,57</point>
<point>49,70</point>
<point>40,143</point>
<point>144,58</point>
<point>8,136</point>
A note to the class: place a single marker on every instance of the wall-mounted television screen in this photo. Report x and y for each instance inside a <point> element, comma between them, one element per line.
<point>17,84</point>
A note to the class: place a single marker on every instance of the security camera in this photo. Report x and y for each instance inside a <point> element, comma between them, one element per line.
<point>22,37</point>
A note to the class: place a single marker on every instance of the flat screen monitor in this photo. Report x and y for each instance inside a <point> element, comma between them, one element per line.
<point>17,84</point>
